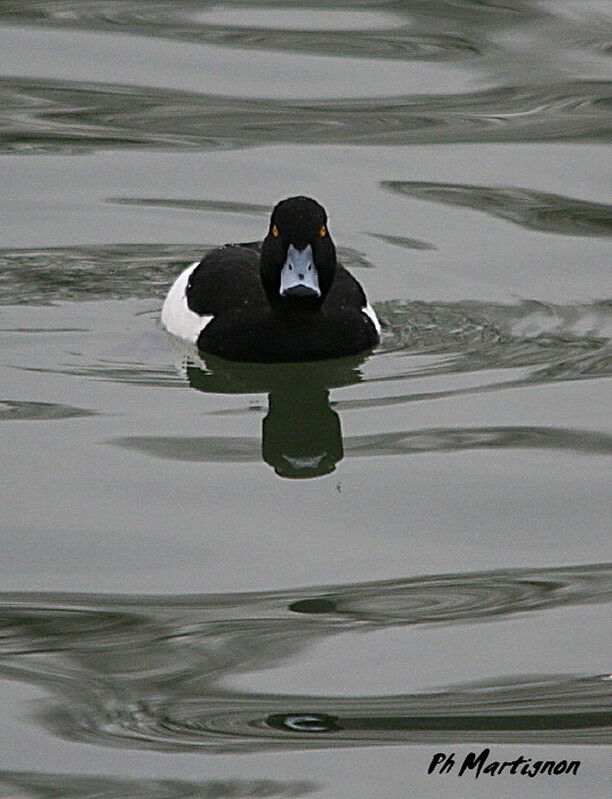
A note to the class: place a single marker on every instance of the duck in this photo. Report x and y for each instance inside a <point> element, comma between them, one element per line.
<point>286,299</point>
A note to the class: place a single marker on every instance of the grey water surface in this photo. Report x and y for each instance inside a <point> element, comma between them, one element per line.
<point>240,580</point>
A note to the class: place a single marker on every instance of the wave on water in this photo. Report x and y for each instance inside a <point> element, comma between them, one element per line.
<point>156,672</point>
<point>556,342</point>
<point>237,449</point>
<point>80,786</point>
<point>567,341</point>
<point>111,271</point>
<point>66,117</point>
<point>411,36</point>
<point>404,241</point>
<point>145,671</point>
<point>224,206</point>
<point>22,410</point>
<point>535,210</point>
<point>547,81</point>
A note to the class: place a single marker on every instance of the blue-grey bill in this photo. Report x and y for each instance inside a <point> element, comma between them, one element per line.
<point>299,274</point>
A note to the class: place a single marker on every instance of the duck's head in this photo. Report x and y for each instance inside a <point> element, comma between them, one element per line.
<point>298,257</point>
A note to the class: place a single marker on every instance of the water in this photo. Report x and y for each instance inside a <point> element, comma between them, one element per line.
<point>198,598</point>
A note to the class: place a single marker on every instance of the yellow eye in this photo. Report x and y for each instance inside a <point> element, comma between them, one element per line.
<point>323,231</point>
<point>275,231</point>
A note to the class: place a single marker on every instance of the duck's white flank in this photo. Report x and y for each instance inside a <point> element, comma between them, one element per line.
<point>371,314</point>
<point>176,316</point>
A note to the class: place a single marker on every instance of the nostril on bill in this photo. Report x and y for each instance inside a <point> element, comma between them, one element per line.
<point>300,277</point>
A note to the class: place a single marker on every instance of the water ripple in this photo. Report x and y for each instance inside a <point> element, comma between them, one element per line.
<point>237,449</point>
<point>79,786</point>
<point>568,341</point>
<point>535,210</point>
<point>223,206</point>
<point>188,22</point>
<point>112,271</point>
<point>404,241</point>
<point>144,671</point>
<point>71,117</point>
<point>21,410</point>
<point>61,621</point>
<point>109,271</point>
<point>560,342</point>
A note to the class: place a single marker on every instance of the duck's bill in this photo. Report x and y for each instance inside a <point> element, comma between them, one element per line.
<point>299,276</point>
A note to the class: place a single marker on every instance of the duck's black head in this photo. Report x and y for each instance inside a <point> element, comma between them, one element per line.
<point>298,257</point>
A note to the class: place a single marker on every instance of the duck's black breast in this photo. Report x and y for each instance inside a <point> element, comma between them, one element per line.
<point>345,292</point>
<point>247,335</point>
<point>226,285</point>
<point>226,279</point>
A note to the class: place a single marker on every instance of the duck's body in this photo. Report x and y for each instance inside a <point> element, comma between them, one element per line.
<point>287,300</point>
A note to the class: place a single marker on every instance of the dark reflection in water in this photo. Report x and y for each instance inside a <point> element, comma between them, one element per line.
<point>230,207</point>
<point>38,785</point>
<point>535,210</point>
<point>146,671</point>
<point>404,241</point>
<point>301,434</point>
<point>294,453</point>
<point>71,117</point>
<point>22,410</point>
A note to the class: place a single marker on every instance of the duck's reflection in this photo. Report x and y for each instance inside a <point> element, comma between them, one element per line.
<point>301,433</point>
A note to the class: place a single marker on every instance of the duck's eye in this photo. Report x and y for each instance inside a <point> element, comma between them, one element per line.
<point>322,231</point>
<point>275,231</point>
